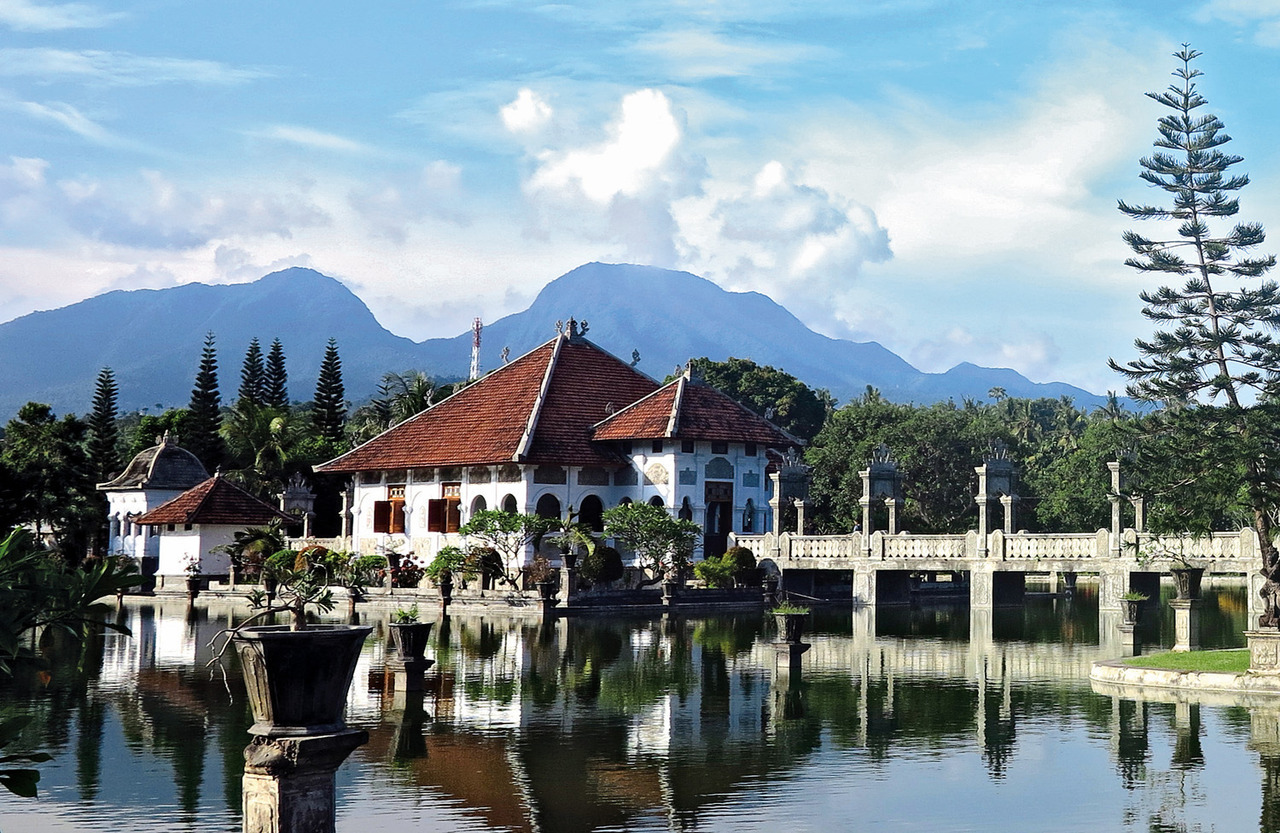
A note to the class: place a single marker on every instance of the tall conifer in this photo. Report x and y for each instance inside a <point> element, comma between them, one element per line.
<point>330,411</point>
<point>104,434</point>
<point>253,375</point>
<point>1213,359</point>
<point>205,419</point>
<point>276,380</point>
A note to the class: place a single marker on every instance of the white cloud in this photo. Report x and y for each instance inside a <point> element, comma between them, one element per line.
<point>528,113</point>
<point>25,16</point>
<point>619,191</point>
<point>311,138</point>
<point>70,118</point>
<point>702,54</point>
<point>641,142</point>
<point>392,207</point>
<point>118,68</point>
<point>1263,14</point>
<point>801,244</point>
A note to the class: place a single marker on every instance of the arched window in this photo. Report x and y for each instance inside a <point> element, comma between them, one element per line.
<point>591,513</point>
<point>656,501</point>
<point>548,507</point>
<point>626,501</point>
<point>479,504</point>
<point>686,510</point>
<point>509,504</point>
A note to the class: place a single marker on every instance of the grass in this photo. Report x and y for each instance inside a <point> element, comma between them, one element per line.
<point>1234,661</point>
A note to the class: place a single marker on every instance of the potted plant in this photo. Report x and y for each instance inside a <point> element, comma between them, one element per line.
<point>1131,606</point>
<point>790,619</point>
<point>408,635</point>
<point>297,675</point>
<point>191,566</point>
<point>1186,573</point>
<point>542,575</point>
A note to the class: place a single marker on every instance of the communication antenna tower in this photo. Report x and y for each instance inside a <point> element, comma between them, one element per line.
<point>476,327</point>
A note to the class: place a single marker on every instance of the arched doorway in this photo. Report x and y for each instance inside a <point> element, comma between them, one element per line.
<point>719,519</point>
<point>509,505</point>
<point>478,505</point>
<point>591,513</point>
<point>548,507</point>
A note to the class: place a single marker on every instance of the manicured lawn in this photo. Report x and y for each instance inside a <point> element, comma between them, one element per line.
<point>1229,662</point>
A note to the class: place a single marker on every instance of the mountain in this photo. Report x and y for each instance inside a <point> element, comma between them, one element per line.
<point>152,339</point>
<point>671,317</point>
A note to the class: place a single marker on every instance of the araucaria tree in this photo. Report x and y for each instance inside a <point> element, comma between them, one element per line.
<point>253,376</point>
<point>205,418</point>
<point>1213,361</point>
<point>104,435</point>
<point>276,381</point>
<point>330,412</point>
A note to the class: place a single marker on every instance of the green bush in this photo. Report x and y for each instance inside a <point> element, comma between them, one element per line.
<point>716,572</point>
<point>601,566</point>
<point>450,559</point>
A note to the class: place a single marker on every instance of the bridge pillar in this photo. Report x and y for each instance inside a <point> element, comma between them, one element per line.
<point>864,585</point>
<point>981,587</point>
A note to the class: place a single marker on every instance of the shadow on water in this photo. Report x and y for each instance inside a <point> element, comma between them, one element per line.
<point>645,724</point>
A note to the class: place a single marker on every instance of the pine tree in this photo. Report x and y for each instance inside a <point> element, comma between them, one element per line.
<point>104,435</point>
<point>205,420</point>
<point>330,411</point>
<point>1213,360</point>
<point>253,376</point>
<point>276,380</point>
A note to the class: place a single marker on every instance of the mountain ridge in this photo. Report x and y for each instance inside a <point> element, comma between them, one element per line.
<point>151,338</point>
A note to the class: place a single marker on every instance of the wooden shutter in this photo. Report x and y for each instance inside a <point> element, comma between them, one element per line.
<point>435,516</point>
<point>397,516</point>
<point>453,515</point>
<point>382,516</point>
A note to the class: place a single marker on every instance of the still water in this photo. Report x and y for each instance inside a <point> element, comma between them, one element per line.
<point>929,719</point>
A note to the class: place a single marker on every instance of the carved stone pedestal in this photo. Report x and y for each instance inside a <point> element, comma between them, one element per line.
<point>1264,651</point>
<point>787,661</point>
<point>407,674</point>
<point>288,782</point>
<point>1129,645</point>
<point>1186,624</point>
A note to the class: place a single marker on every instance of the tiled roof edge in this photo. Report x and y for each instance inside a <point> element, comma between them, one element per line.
<point>526,439</point>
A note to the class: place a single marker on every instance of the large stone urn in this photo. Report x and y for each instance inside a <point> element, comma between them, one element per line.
<point>298,681</point>
<point>1186,580</point>
<point>410,639</point>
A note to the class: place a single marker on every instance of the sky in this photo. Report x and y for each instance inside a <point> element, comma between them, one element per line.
<point>940,177</point>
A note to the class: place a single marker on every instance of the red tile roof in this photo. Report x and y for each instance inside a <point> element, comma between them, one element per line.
<point>215,501</point>
<point>538,409</point>
<point>689,410</point>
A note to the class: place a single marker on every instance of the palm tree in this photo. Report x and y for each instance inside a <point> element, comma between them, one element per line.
<point>263,440</point>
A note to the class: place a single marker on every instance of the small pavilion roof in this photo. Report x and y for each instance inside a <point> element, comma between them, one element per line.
<point>215,501</point>
<point>162,466</point>
<point>687,409</point>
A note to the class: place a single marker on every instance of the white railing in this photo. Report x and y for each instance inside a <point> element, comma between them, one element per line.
<point>909,547</point>
<point>1052,547</point>
<point>824,547</point>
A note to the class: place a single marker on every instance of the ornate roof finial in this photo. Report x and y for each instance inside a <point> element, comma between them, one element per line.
<point>635,357</point>
<point>505,354</point>
<point>996,450</point>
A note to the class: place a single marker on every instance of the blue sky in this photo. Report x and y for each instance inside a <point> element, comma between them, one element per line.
<point>940,177</point>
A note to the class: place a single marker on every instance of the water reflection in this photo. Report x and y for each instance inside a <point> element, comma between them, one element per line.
<point>672,723</point>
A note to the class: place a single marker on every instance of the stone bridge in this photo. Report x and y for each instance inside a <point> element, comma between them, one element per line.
<point>879,568</point>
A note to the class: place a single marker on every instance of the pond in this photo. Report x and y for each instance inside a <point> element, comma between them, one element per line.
<point>903,719</point>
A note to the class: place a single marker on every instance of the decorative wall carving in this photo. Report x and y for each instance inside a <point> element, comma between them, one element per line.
<point>718,468</point>
<point>656,475</point>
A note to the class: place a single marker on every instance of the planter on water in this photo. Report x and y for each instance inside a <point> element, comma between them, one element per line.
<point>298,680</point>
<point>1131,610</point>
<point>790,626</point>
<point>193,586</point>
<point>1187,581</point>
<point>410,639</point>
<point>547,591</point>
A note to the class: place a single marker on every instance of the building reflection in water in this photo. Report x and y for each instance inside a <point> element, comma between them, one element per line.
<point>579,725</point>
